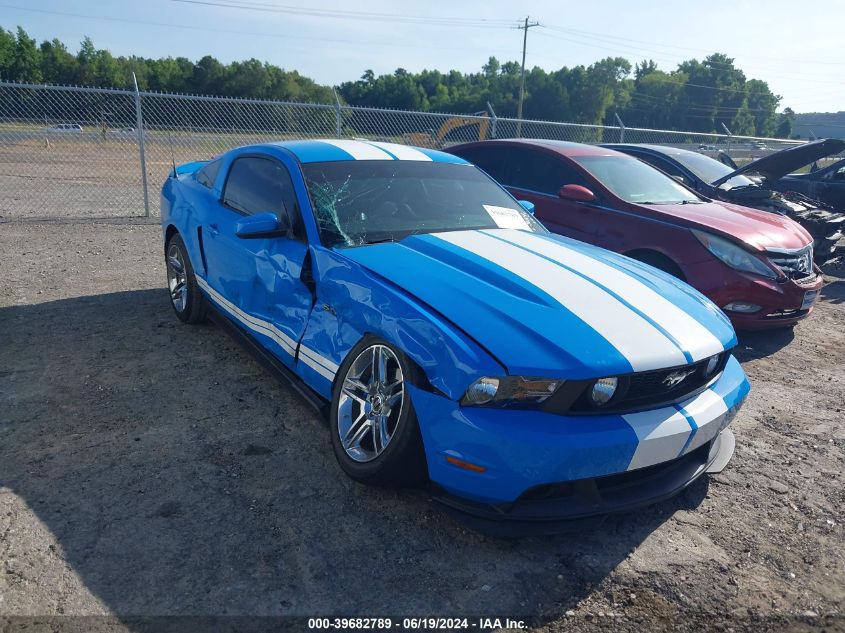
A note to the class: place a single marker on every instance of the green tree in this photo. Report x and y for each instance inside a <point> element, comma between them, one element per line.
<point>762,104</point>
<point>26,59</point>
<point>57,64</point>
<point>207,76</point>
<point>742,123</point>
<point>7,53</point>
<point>786,121</point>
<point>85,60</point>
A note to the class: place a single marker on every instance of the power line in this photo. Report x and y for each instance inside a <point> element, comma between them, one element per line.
<point>227,31</point>
<point>355,15</point>
<point>592,34</point>
<point>615,48</point>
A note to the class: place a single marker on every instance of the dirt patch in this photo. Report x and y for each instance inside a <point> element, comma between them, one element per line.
<point>152,468</point>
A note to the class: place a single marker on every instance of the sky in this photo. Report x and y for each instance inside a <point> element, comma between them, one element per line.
<point>795,47</point>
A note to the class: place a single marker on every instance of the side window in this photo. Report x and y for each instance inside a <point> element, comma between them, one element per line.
<point>537,171</point>
<point>207,174</point>
<point>489,159</point>
<point>258,185</point>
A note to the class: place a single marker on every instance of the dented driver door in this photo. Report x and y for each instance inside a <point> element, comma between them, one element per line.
<point>257,280</point>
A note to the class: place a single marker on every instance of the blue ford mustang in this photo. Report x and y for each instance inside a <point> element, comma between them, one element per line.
<point>451,338</point>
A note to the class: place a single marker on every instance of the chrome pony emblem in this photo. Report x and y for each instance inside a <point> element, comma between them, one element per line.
<point>677,377</point>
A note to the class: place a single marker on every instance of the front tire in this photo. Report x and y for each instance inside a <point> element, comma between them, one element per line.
<point>185,295</point>
<point>659,261</point>
<point>375,434</point>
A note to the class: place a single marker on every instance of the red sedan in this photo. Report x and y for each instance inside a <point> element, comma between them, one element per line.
<point>757,266</point>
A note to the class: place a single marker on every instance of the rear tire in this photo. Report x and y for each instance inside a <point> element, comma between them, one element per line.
<point>374,430</point>
<point>185,295</point>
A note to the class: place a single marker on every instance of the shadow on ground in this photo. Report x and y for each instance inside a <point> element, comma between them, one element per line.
<point>752,345</point>
<point>178,477</point>
<point>834,291</point>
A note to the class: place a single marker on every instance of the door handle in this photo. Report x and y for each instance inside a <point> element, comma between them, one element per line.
<point>213,229</point>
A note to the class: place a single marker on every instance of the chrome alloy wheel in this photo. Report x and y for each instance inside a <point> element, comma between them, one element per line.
<point>370,403</point>
<point>177,277</point>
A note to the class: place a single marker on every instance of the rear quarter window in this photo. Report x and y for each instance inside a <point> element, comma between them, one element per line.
<point>207,175</point>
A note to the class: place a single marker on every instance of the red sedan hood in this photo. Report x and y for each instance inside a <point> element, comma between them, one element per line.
<point>761,230</point>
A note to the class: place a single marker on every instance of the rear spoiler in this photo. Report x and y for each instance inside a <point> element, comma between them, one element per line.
<point>188,168</point>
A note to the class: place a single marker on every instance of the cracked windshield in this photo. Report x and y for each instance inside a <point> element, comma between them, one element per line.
<point>364,202</point>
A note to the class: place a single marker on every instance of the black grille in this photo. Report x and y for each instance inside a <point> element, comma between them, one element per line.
<point>626,483</point>
<point>637,391</point>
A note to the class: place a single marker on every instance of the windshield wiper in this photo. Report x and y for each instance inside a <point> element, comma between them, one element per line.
<point>672,202</point>
<point>742,187</point>
<point>384,239</point>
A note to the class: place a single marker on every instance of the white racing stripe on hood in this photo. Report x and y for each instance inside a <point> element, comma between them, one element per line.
<point>359,150</point>
<point>692,336</point>
<point>402,152</point>
<point>643,345</point>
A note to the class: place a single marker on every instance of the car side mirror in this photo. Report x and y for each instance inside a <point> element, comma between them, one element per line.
<point>266,224</point>
<point>527,205</point>
<point>576,193</point>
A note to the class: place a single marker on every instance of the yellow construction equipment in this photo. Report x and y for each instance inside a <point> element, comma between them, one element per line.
<point>452,131</point>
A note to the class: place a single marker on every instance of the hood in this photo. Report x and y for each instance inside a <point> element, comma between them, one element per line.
<point>545,305</point>
<point>761,230</point>
<point>778,164</point>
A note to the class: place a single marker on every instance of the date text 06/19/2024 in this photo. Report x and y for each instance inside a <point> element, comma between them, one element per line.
<point>415,624</point>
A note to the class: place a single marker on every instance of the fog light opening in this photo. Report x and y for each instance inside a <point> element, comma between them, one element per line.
<point>711,365</point>
<point>742,307</point>
<point>603,391</point>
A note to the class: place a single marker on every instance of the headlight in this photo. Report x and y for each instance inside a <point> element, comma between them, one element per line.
<point>520,391</point>
<point>603,391</point>
<point>734,256</point>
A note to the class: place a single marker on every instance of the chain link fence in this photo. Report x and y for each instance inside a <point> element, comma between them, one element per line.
<point>91,152</point>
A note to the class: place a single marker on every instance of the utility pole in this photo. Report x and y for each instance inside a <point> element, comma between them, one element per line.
<point>524,28</point>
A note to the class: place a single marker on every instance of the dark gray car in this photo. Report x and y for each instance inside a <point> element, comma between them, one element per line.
<point>826,184</point>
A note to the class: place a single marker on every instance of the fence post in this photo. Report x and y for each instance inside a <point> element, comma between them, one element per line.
<point>338,118</point>
<point>139,126</point>
<point>730,134</point>
<point>621,127</point>
<point>494,119</point>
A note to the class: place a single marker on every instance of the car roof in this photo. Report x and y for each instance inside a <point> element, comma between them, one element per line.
<point>666,150</point>
<point>331,150</point>
<point>566,148</point>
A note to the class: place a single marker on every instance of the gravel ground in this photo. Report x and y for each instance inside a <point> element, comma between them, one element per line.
<point>149,468</point>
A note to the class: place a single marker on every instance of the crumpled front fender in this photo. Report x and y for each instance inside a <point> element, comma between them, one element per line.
<point>352,302</point>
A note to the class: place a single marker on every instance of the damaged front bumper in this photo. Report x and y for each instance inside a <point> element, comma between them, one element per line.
<point>564,507</point>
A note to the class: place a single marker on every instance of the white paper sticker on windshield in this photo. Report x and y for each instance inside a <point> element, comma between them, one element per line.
<point>506,218</point>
